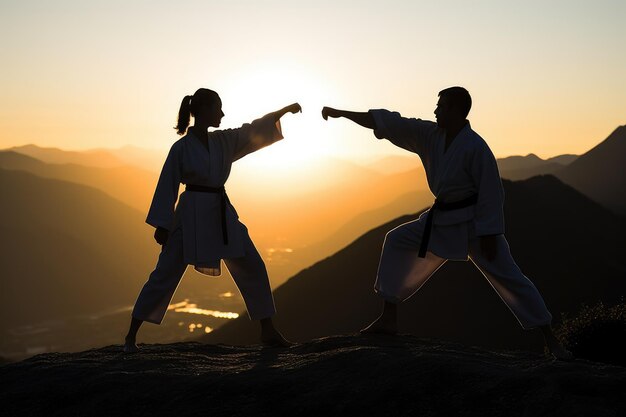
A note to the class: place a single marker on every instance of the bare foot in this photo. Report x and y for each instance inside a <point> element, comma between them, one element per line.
<point>272,338</point>
<point>130,346</point>
<point>381,325</point>
<point>553,346</point>
<point>557,350</point>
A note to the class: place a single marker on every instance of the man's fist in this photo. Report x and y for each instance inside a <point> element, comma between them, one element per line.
<point>329,112</point>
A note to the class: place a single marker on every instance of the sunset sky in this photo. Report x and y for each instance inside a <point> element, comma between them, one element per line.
<point>546,76</point>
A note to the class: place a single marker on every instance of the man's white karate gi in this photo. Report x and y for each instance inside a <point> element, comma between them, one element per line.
<point>466,168</point>
<point>466,220</point>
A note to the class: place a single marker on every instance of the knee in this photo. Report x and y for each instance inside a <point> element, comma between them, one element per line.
<point>393,236</point>
<point>398,237</point>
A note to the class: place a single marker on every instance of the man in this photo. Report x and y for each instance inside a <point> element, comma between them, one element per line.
<point>466,220</point>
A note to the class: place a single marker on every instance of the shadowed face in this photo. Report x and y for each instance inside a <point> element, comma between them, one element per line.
<point>448,114</point>
<point>443,112</point>
<point>214,113</point>
<point>211,112</point>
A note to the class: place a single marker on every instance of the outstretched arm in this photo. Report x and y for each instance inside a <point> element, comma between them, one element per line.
<point>364,119</point>
<point>258,134</point>
<point>292,108</point>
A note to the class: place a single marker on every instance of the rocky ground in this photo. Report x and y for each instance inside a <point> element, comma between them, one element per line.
<point>338,375</point>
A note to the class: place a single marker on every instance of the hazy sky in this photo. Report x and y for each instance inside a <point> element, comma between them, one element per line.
<point>546,76</point>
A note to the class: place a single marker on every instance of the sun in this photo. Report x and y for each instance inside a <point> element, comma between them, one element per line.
<point>250,94</point>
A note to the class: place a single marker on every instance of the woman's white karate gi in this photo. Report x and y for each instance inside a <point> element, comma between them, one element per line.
<point>204,228</point>
<point>459,167</point>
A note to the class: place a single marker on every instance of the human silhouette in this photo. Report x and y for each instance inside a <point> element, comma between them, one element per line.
<point>204,228</point>
<point>465,221</point>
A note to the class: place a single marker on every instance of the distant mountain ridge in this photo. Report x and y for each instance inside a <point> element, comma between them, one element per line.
<point>270,203</point>
<point>129,184</point>
<point>601,172</point>
<point>70,250</point>
<point>99,159</point>
<point>524,167</point>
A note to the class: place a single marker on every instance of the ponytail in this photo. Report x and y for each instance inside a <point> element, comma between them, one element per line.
<point>183,116</point>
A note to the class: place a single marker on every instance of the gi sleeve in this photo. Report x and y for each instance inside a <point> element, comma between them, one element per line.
<point>161,213</point>
<point>489,216</point>
<point>253,136</point>
<point>407,133</point>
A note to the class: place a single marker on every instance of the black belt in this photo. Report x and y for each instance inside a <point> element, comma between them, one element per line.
<point>440,205</point>
<point>214,190</point>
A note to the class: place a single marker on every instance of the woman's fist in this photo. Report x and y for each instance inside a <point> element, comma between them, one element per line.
<point>160,235</point>
<point>294,108</point>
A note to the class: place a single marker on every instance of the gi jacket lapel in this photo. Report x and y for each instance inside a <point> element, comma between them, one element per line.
<point>447,159</point>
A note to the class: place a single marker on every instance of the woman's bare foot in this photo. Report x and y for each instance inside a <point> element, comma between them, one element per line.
<point>556,349</point>
<point>130,343</point>
<point>130,346</point>
<point>382,325</point>
<point>275,340</point>
<point>272,337</point>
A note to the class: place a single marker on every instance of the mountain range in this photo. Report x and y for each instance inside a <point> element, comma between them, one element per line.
<point>600,172</point>
<point>77,230</point>
<point>129,184</point>
<point>523,167</point>
<point>72,251</point>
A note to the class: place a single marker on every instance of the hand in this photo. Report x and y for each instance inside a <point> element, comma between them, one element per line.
<point>160,235</point>
<point>294,108</point>
<point>329,112</point>
<point>489,247</point>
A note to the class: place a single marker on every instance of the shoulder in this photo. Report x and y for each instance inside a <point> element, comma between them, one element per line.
<point>390,116</point>
<point>391,123</point>
<point>223,133</point>
<point>475,142</point>
<point>178,145</point>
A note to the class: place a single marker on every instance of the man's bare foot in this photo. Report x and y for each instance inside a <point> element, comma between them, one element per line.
<point>130,346</point>
<point>382,325</point>
<point>553,346</point>
<point>556,349</point>
<point>272,338</point>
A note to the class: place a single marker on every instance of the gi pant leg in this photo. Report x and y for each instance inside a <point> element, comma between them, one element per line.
<point>157,292</point>
<point>250,275</point>
<point>514,288</point>
<point>401,272</point>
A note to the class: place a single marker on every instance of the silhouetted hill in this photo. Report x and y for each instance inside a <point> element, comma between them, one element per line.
<point>68,240</point>
<point>148,159</point>
<point>570,247</point>
<point>69,250</point>
<point>564,159</point>
<point>599,173</point>
<point>289,214</point>
<point>130,185</point>
<point>524,167</point>
<point>272,204</point>
<point>395,164</point>
<point>333,376</point>
<point>96,158</point>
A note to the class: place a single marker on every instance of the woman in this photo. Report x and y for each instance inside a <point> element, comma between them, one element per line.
<point>204,228</point>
